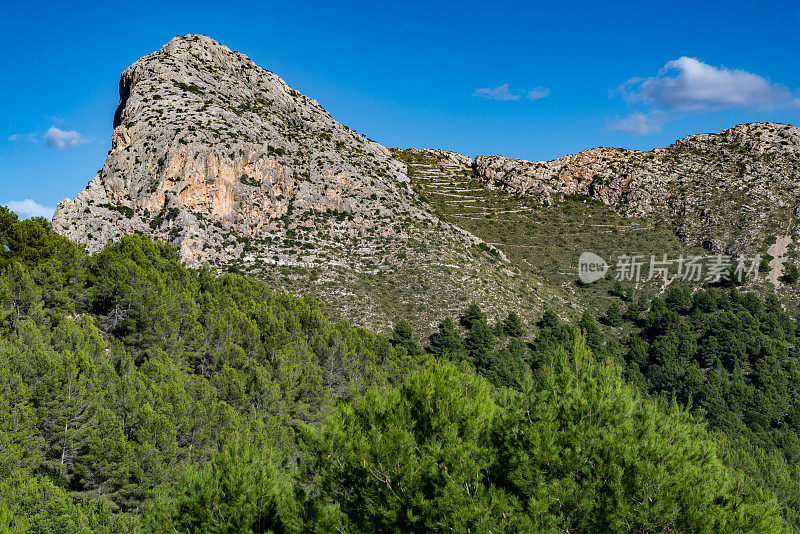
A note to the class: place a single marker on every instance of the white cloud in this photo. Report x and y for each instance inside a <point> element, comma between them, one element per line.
<point>537,93</point>
<point>504,93</point>
<point>59,139</point>
<point>28,208</point>
<point>501,92</point>
<point>687,84</point>
<point>640,123</point>
<point>24,138</point>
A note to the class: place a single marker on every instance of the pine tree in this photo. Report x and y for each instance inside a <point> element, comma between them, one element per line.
<point>513,325</point>
<point>549,319</point>
<point>20,294</point>
<point>613,316</point>
<point>632,312</point>
<point>403,336</point>
<point>651,468</point>
<point>412,459</point>
<point>479,341</point>
<point>242,489</point>
<point>472,314</point>
<point>592,332</point>
<point>790,273</point>
<point>446,340</point>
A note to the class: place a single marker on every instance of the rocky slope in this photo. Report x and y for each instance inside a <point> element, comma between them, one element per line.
<point>224,160</point>
<point>733,191</point>
<point>209,148</point>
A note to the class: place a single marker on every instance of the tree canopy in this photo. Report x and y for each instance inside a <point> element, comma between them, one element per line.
<point>137,395</point>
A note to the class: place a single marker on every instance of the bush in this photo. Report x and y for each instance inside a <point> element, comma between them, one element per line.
<point>242,489</point>
<point>578,450</point>
<point>790,273</point>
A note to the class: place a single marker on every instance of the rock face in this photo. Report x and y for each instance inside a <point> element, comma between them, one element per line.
<point>728,191</point>
<point>207,146</point>
<point>225,161</point>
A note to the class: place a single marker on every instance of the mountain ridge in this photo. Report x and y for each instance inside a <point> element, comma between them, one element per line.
<point>763,158</point>
<point>237,170</point>
<point>224,160</point>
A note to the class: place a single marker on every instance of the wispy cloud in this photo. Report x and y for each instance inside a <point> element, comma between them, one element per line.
<point>504,93</point>
<point>28,208</point>
<point>24,138</point>
<point>537,93</point>
<point>687,85</point>
<point>501,92</point>
<point>640,123</point>
<point>60,139</point>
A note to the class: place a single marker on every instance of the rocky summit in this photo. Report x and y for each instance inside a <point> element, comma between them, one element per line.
<point>729,191</point>
<point>219,156</point>
<point>225,161</point>
<point>222,159</point>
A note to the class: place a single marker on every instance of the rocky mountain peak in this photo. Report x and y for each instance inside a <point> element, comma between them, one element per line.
<point>201,131</point>
<point>224,160</point>
<point>729,191</point>
<point>757,138</point>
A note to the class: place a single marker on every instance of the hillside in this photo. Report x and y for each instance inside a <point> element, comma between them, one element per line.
<point>222,159</point>
<point>226,162</point>
<point>137,395</point>
<point>733,192</point>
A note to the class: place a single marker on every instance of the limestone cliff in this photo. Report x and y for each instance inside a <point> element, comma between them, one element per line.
<point>207,146</point>
<point>730,191</point>
<point>224,160</point>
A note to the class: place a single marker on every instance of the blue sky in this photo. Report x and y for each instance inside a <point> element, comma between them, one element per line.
<point>521,79</point>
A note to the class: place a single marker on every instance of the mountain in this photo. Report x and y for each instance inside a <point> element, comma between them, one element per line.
<point>734,193</point>
<point>225,161</point>
<point>139,395</point>
<point>729,191</point>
